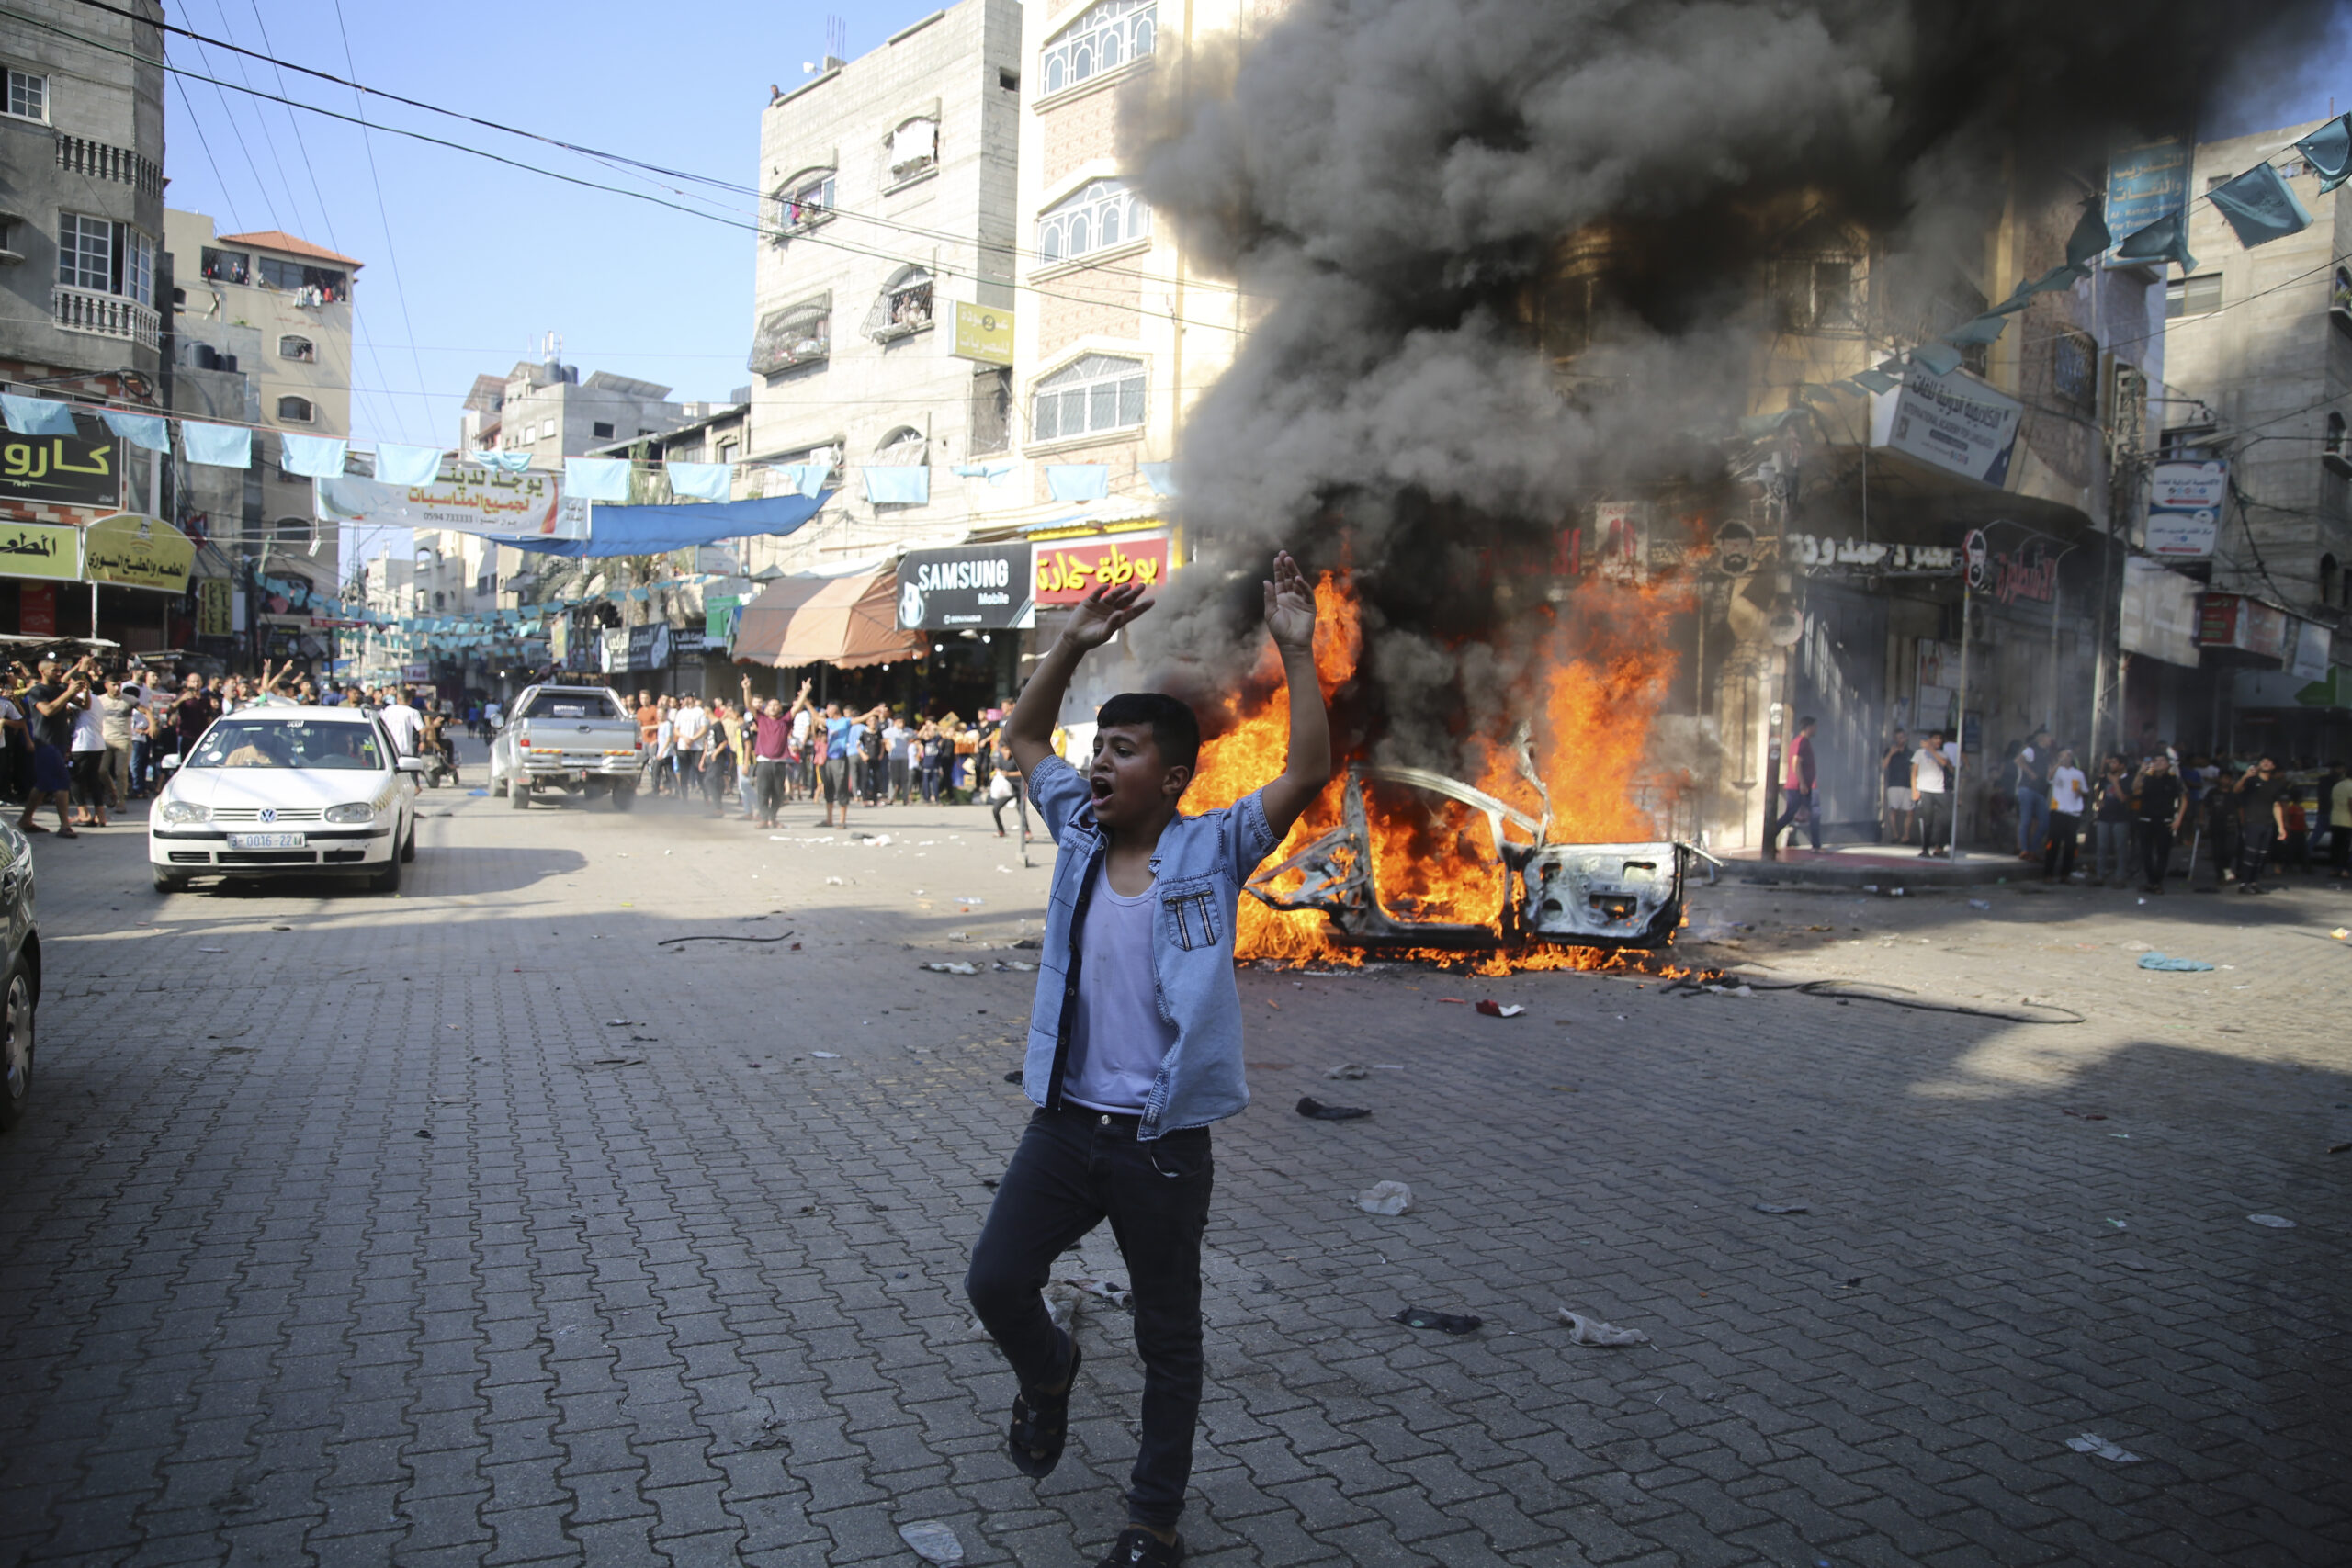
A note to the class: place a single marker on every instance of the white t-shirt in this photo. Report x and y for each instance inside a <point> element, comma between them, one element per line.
<point>89,728</point>
<point>1929,778</point>
<point>403,724</point>
<point>1117,1037</point>
<point>690,726</point>
<point>799,724</point>
<point>2066,787</point>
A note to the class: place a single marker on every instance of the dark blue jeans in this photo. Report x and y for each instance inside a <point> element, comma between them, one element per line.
<point>1807,801</point>
<point>1074,1169</point>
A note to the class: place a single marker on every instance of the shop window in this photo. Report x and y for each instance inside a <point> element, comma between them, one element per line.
<point>1813,293</point>
<point>1106,36</point>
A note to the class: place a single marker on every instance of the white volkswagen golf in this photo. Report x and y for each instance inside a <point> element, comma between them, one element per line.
<point>279,791</point>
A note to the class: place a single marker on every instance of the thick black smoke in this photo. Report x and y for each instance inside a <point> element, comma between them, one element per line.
<point>1384,179</point>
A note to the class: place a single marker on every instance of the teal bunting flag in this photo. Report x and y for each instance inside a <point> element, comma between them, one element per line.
<point>2259,206</point>
<point>1985,328</point>
<point>2165,240</point>
<point>2090,238</point>
<point>1937,358</point>
<point>2328,151</point>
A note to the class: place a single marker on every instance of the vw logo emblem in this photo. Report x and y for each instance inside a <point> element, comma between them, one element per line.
<point>269,814</point>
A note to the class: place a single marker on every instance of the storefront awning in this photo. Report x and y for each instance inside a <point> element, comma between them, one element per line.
<point>850,622</point>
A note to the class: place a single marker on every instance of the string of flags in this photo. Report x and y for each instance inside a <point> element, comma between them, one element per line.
<point>2259,206</point>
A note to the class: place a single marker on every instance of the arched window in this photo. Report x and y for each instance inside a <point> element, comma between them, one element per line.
<point>294,530</point>
<point>914,148</point>
<point>1091,395</point>
<point>904,447</point>
<point>796,335</point>
<point>302,348</point>
<point>903,308</point>
<point>1096,216</point>
<point>804,201</point>
<point>297,411</point>
<point>1103,39</point>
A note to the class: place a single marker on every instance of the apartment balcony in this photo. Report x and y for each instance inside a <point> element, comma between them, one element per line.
<point>103,315</point>
<point>100,161</point>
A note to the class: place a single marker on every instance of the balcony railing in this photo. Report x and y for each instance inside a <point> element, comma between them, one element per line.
<point>103,315</point>
<point>100,161</point>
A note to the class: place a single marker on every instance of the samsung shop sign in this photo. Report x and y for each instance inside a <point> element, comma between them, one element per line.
<point>978,587</point>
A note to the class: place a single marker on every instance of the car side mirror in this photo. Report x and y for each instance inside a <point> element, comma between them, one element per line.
<point>170,762</point>
<point>409,764</point>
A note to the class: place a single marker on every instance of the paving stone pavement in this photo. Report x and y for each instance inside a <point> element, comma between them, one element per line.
<point>472,1226</point>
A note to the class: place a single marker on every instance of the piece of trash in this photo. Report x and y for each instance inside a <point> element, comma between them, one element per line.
<point>1870,887</point>
<point>1386,1197</point>
<point>212,950</point>
<point>1014,967</point>
<point>425,1131</point>
<point>2083,1116</point>
<point>2092,1443</point>
<point>1583,1330</point>
<point>2341,934</point>
<point>1013,1077</point>
<point>1782,1208</point>
<point>959,936</point>
<point>1061,1305</point>
<point>1315,1110</point>
<point>622,1023</point>
<point>835,882</point>
<point>2338,1148</point>
<point>1349,1070</point>
<point>1118,1295</point>
<point>1496,1010</point>
<point>1445,1322</point>
<point>826,1055</point>
<point>611,1062</point>
<point>1457,1001</point>
<point>931,1542</point>
<point>2183,966</point>
<point>1894,893</point>
<point>952,968</point>
<point>1980,903</point>
<point>2276,1221</point>
<point>2120,1224</point>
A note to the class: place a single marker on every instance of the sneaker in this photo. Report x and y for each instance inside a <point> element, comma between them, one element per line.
<point>1141,1548</point>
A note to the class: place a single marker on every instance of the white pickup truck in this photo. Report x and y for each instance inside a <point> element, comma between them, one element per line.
<point>580,738</point>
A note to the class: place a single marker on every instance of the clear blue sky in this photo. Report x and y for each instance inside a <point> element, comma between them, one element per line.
<point>488,258</point>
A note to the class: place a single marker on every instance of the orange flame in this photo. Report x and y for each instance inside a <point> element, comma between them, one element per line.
<point>1604,671</point>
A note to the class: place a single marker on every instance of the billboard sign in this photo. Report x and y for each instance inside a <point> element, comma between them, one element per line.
<point>983,334</point>
<point>1069,570</point>
<point>473,500</point>
<point>41,550</point>
<point>2185,508</point>
<point>63,469</point>
<point>981,586</point>
<point>137,552</point>
<point>2145,182</point>
<point>1954,422</point>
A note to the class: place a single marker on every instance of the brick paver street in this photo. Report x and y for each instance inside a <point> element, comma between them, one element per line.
<point>474,1225</point>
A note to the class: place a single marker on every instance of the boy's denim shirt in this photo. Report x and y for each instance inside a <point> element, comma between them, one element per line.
<point>1198,871</point>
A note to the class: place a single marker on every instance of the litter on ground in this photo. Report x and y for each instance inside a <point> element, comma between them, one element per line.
<point>2182,965</point>
<point>1445,1322</point>
<point>2276,1221</point>
<point>1583,1330</point>
<point>1496,1010</point>
<point>931,1542</point>
<point>2099,1447</point>
<point>952,968</point>
<point>1783,1209</point>
<point>1386,1197</point>
<point>1350,1070</point>
<point>1315,1110</point>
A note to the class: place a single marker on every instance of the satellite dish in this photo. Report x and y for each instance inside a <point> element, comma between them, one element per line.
<point>1786,628</point>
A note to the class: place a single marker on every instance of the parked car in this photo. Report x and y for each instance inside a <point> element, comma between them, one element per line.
<point>282,791</point>
<point>20,979</point>
<point>580,737</point>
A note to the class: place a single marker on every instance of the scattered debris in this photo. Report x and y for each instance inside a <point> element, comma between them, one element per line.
<point>2338,1148</point>
<point>1061,1305</point>
<point>1583,1330</point>
<point>826,1055</point>
<point>425,1131</point>
<point>2341,934</point>
<point>1315,1110</point>
<point>1349,1070</point>
<point>952,968</point>
<point>2120,1224</point>
<point>1980,903</point>
<point>1446,1321</point>
<point>2276,1221</point>
<point>959,936</point>
<point>931,1540</point>
<point>1496,1010</point>
<point>2092,1443</point>
<point>212,950</point>
<point>1784,1208</point>
<point>611,1062</point>
<point>1386,1197</point>
<point>1012,1076</point>
<point>835,882</point>
<point>2183,966</point>
<point>622,1023</point>
<point>1118,1295</point>
<point>667,940</point>
<point>1014,967</point>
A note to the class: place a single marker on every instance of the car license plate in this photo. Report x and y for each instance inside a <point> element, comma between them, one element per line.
<point>267,841</point>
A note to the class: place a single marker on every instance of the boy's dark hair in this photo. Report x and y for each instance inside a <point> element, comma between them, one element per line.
<point>1174,729</point>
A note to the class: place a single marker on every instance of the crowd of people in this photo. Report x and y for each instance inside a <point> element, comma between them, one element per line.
<point>2244,817</point>
<point>766,754</point>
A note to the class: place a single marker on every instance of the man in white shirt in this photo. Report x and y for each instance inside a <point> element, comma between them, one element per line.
<point>2068,793</point>
<point>401,722</point>
<point>1931,796</point>
<point>688,725</point>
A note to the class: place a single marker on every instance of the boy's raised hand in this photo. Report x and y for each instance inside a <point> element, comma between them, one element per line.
<point>1290,605</point>
<point>1101,613</point>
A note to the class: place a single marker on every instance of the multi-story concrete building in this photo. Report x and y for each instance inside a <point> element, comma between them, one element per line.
<point>81,231</point>
<point>885,284</point>
<point>546,410</point>
<point>1117,336</point>
<point>277,310</point>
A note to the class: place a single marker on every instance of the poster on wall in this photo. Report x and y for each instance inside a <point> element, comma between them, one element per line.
<point>2185,508</point>
<point>1621,539</point>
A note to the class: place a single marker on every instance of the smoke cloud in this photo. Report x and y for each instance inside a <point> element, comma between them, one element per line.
<point>1387,180</point>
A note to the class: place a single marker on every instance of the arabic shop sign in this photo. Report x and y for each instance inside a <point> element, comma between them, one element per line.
<point>41,550</point>
<point>474,499</point>
<point>65,470</point>
<point>1068,571</point>
<point>2232,620</point>
<point>137,552</point>
<point>1954,422</point>
<point>1820,555</point>
<point>2145,182</point>
<point>982,334</point>
<point>212,607</point>
<point>982,585</point>
<point>2185,508</point>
